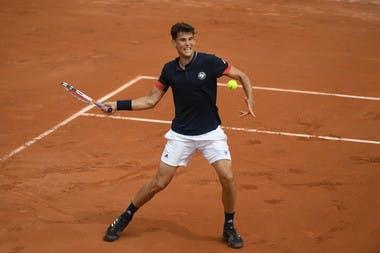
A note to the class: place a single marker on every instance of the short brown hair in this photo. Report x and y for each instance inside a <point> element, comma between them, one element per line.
<point>181,27</point>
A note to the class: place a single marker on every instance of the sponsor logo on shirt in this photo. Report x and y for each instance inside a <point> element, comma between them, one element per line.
<point>201,75</point>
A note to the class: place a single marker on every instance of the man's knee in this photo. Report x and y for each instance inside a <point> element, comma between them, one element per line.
<point>159,185</point>
<point>227,178</point>
<point>156,185</point>
<point>224,170</point>
<point>163,177</point>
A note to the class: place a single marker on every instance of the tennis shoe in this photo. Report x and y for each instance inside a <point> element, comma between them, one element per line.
<point>116,228</point>
<point>232,237</point>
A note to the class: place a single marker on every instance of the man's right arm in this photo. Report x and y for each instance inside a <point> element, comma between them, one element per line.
<point>142,103</point>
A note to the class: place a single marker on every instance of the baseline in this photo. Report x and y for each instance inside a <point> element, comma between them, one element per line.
<point>298,91</point>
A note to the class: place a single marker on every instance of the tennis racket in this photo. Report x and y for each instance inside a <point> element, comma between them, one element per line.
<point>82,96</point>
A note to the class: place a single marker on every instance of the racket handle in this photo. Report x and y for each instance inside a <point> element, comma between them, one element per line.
<point>100,105</point>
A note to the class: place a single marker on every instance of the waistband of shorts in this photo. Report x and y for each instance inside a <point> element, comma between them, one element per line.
<point>217,134</point>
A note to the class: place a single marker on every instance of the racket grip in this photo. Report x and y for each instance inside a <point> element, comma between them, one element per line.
<point>100,105</point>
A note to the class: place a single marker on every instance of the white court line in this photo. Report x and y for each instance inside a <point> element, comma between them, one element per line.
<point>44,134</point>
<point>138,78</point>
<point>307,136</point>
<point>298,91</point>
<point>69,119</point>
<point>314,93</point>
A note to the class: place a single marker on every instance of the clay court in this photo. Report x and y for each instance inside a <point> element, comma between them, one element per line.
<point>307,168</point>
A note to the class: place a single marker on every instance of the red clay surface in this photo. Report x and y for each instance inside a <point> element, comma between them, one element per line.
<point>294,194</point>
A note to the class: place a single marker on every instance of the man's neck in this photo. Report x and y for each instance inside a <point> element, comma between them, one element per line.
<point>183,61</point>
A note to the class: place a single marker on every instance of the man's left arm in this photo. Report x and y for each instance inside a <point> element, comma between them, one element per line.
<point>240,76</point>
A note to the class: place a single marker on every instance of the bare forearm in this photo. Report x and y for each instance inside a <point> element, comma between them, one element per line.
<point>243,79</point>
<point>143,103</point>
<point>247,86</point>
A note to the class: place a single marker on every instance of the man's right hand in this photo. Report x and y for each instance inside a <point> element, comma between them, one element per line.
<point>107,106</point>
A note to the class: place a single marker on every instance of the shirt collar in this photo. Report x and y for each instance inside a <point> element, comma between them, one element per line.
<point>178,67</point>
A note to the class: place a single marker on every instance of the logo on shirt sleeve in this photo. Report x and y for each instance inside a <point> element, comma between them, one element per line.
<point>201,75</point>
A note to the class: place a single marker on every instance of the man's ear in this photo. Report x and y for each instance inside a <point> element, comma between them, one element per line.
<point>173,43</point>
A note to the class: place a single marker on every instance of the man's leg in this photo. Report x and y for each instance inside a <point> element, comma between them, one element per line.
<point>224,170</point>
<point>162,178</point>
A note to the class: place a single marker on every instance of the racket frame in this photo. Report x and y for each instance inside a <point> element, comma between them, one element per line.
<point>82,96</point>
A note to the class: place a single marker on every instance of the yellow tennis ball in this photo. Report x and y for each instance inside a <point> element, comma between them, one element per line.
<point>232,85</point>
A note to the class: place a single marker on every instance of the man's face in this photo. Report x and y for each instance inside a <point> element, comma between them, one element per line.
<point>184,43</point>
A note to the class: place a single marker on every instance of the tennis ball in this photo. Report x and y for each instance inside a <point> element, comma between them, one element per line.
<point>232,85</point>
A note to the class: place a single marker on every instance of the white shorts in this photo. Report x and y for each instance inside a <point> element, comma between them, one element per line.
<point>180,148</point>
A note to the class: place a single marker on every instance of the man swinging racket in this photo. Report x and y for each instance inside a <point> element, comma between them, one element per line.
<point>192,76</point>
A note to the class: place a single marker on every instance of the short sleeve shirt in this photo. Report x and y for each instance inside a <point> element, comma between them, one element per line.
<point>194,92</point>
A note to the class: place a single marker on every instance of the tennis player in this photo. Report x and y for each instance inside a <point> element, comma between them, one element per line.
<point>192,76</point>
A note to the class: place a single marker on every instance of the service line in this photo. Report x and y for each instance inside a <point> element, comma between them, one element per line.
<point>68,120</point>
<point>306,136</point>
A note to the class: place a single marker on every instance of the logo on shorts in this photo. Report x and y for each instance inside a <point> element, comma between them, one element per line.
<point>201,75</point>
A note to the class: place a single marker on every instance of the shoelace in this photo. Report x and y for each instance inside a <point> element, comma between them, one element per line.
<point>232,232</point>
<point>117,224</point>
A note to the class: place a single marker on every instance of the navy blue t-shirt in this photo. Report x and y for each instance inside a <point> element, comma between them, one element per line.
<point>194,92</point>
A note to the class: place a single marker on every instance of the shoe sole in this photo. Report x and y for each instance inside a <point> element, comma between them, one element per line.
<point>236,246</point>
<point>108,239</point>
